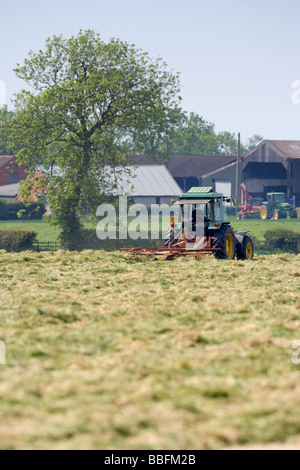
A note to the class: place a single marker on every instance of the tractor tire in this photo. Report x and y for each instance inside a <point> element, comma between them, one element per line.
<point>225,241</point>
<point>169,237</point>
<point>276,214</point>
<point>245,251</point>
<point>264,213</point>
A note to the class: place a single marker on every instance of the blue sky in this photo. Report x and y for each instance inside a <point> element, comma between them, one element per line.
<point>237,58</point>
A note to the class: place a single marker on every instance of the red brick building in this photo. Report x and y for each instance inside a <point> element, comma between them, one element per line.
<point>10,172</point>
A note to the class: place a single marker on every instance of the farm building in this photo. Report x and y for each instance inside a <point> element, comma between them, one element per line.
<point>199,170</point>
<point>274,165</point>
<point>148,184</point>
<point>9,191</point>
<point>10,172</point>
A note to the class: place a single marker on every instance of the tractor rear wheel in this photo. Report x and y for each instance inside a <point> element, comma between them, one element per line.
<point>246,250</point>
<point>225,241</point>
<point>264,213</point>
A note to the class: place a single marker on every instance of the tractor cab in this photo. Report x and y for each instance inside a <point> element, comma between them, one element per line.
<point>277,199</point>
<point>203,206</point>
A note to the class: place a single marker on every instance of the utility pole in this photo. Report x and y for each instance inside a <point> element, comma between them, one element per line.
<point>237,189</point>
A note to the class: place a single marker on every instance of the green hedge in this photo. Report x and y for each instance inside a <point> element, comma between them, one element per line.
<point>10,210</point>
<point>283,240</point>
<point>16,240</point>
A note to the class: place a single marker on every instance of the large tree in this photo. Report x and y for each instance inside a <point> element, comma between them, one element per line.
<point>88,98</point>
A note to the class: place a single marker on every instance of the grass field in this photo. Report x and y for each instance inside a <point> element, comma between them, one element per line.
<point>108,352</point>
<point>257,227</point>
<point>46,233</point>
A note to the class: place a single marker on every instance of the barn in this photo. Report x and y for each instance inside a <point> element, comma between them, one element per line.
<point>274,165</point>
<point>198,170</point>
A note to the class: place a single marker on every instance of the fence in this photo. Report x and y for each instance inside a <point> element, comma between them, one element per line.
<point>45,246</point>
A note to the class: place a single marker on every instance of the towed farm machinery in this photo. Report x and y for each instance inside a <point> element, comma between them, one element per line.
<point>201,227</point>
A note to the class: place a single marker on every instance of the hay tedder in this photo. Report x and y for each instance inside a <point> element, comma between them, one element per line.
<point>200,227</point>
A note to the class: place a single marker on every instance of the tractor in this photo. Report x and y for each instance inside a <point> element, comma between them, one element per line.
<point>277,207</point>
<point>207,209</point>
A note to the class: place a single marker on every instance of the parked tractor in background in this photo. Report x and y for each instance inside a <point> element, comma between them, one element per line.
<point>277,207</point>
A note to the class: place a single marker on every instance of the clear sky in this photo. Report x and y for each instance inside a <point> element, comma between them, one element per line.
<point>237,58</point>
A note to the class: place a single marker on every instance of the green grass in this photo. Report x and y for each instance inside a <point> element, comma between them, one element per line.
<point>45,231</point>
<point>256,226</point>
<point>259,227</point>
<point>107,352</point>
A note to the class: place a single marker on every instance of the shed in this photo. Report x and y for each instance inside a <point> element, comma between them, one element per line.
<point>274,165</point>
<point>149,184</point>
<point>189,170</point>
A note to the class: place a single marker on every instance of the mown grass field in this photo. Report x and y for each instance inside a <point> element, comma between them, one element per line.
<point>107,352</point>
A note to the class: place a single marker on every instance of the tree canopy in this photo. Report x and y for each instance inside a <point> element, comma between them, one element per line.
<point>89,98</point>
<point>195,136</point>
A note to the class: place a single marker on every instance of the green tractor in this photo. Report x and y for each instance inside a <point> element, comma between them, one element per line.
<point>277,207</point>
<point>202,207</point>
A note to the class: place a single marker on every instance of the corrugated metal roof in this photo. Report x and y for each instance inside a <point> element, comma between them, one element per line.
<point>284,148</point>
<point>9,190</point>
<point>184,166</point>
<point>149,180</point>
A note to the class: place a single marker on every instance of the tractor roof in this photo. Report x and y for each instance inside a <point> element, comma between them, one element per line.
<point>201,193</point>
<point>276,194</point>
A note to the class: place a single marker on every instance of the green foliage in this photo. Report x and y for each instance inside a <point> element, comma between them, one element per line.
<point>195,136</point>
<point>5,116</point>
<point>282,239</point>
<point>88,95</point>
<point>16,240</point>
<point>17,210</point>
<point>3,210</point>
<point>252,142</point>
